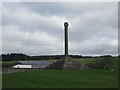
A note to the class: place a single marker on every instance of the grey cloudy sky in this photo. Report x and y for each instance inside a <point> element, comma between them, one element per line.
<point>36,28</point>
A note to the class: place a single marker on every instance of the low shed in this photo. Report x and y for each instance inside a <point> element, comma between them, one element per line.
<point>34,64</point>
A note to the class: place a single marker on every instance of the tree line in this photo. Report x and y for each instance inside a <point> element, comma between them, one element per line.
<point>21,56</point>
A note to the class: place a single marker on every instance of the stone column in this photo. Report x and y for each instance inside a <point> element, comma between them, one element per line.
<point>66,39</point>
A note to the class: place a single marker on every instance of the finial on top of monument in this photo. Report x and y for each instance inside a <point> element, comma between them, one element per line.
<point>66,24</point>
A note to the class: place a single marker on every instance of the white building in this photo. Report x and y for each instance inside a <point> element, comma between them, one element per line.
<point>31,64</point>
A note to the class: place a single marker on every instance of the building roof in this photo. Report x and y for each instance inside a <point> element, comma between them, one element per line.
<point>34,62</point>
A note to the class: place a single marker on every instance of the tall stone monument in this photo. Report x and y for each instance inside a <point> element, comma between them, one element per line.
<point>66,63</point>
<point>66,40</point>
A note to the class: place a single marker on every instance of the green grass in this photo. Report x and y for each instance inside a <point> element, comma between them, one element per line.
<point>61,79</point>
<point>7,62</point>
<point>68,78</point>
<point>88,60</point>
<point>50,61</point>
<point>112,62</point>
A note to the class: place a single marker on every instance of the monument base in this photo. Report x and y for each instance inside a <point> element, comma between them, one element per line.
<point>67,64</point>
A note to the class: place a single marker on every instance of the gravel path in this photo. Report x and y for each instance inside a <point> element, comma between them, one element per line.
<point>10,70</point>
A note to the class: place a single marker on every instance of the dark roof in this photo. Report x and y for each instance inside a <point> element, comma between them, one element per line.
<point>34,62</point>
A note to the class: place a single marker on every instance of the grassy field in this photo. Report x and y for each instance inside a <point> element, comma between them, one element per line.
<point>94,78</point>
<point>51,61</point>
<point>112,62</point>
<point>61,79</point>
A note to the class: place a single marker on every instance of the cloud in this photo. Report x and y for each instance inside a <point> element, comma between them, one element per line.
<point>22,41</point>
<point>37,28</point>
<point>95,47</point>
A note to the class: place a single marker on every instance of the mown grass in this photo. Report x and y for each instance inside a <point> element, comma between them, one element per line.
<point>61,79</point>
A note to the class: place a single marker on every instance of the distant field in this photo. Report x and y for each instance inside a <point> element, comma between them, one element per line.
<point>96,63</point>
<point>51,61</point>
<point>61,79</point>
<point>9,64</point>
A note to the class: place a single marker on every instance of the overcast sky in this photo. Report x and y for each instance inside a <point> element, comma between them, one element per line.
<point>38,28</point>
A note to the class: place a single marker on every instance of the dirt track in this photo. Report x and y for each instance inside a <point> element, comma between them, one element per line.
<point>10,70</point>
